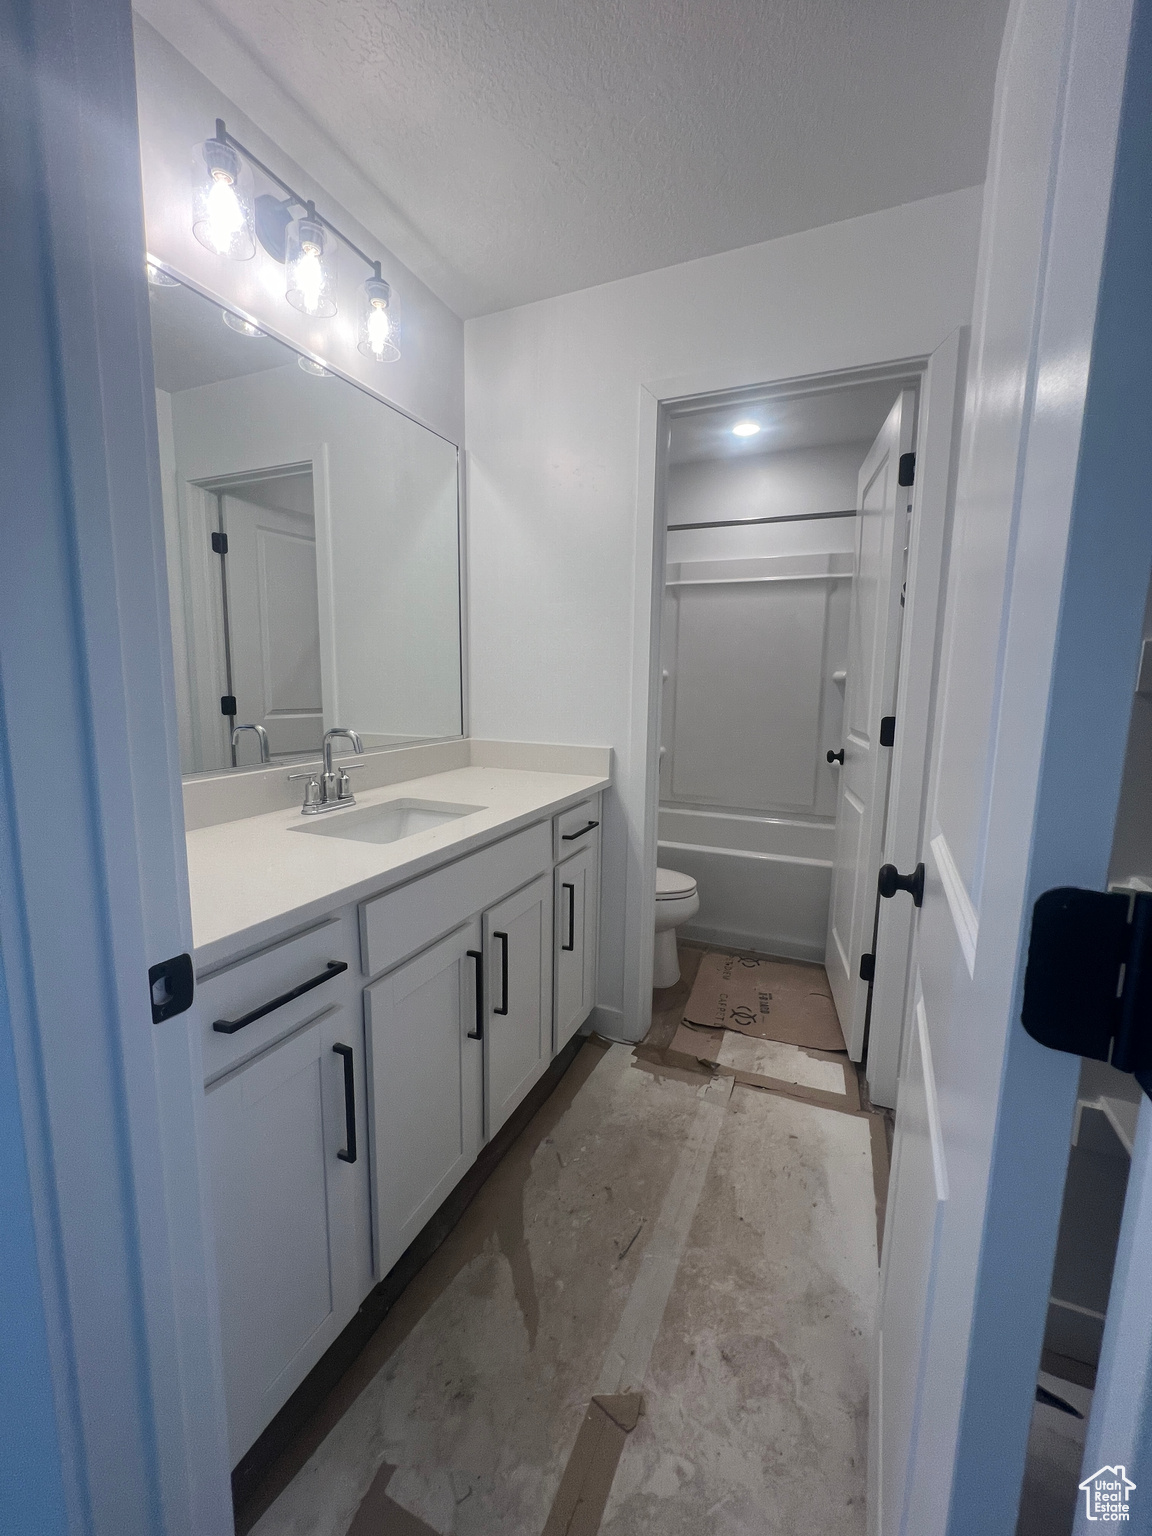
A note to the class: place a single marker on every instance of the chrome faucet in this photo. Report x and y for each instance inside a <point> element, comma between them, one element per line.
<point>261,737</point>
<point>329,790</point>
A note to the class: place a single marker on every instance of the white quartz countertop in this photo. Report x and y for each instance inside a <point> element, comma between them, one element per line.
<point>253,879</point>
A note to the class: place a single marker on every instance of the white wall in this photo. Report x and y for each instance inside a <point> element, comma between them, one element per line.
<point>800,480</point>
<point>560,516</point>
<point>178,108</point>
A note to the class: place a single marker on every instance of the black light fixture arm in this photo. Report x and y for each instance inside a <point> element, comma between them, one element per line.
<point>292,197</point>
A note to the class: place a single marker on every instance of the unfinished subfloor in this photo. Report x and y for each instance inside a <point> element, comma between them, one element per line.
<point>655,1317</point>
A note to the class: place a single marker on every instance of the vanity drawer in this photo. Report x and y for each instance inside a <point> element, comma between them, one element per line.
<point>400,922</point>
<point>284,985</point>
<point>576,827</point>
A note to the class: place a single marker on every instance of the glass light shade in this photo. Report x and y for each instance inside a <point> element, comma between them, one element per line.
<point>317,370</point>
<point>379,328</point>
<point>158,277</point>
<point>222,217</point>
<point>241,326</point>
<point>310,263</point>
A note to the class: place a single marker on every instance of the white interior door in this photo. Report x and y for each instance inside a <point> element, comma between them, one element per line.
<point>883,509</point>
<point>1040,647</point>
<point>273,621</point>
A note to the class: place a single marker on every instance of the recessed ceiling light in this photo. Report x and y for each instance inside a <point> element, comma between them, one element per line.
<point>241,326</point>
<point>746,429</point>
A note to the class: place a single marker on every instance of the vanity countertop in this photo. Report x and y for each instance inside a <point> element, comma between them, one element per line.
<point>254,878</point>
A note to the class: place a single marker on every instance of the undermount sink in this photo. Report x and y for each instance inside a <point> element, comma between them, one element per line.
<point>386,823</point>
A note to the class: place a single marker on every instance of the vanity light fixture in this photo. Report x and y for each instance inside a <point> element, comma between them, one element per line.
<point>158,277</point>
<point>241,326</point>
<point>222,217</point>
<point>227,220</point>
<point>379,329</point>
<point>746,429</point>
<point>317,370</point>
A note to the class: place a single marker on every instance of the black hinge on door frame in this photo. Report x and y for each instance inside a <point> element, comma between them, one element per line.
<point>227,703</point>
<point>172,984</point>
<point>887,730</point>
<point>906,473</point>
<point>1088,982</point>
<point>868,968</point>
<point>219,543</point>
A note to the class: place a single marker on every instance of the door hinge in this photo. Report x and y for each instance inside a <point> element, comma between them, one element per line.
<point>219,543</point>
<point>906,475</point>
<point>227,703</point>
<point>867,967</point>
<point>887,730</point>
<point>1088,982</point>
<point>172,984</point>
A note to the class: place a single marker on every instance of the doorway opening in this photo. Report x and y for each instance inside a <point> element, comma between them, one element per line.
<point>781,554</point>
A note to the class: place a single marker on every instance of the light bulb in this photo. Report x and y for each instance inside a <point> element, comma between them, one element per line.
<point>225,215</point>
<point>746,429</point>
<point>309,279</point>
<point>379,329</point>
<point>310,267</point>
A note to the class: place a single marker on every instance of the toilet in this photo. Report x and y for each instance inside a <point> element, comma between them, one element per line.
<point>677,900</point>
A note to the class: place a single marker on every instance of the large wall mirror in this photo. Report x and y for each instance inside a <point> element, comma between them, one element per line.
<point>312,543</point>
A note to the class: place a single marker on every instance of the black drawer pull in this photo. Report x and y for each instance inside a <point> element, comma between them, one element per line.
<point>478,1032</point>
<point>571,889</point>
<point>570,837</point>
<point>348,1153</point>
<point>503,937</point>
<point>230,1026</point>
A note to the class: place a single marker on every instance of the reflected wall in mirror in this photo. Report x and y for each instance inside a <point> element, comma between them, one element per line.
<point>312,543</point>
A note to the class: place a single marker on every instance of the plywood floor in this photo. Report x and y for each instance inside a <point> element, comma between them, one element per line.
<point>697,1254</point>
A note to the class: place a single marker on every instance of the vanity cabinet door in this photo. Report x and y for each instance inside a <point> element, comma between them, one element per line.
<point>518,998</point>
<point>577,920</point>
<point>285,1216</point>
<point>425,1086</point>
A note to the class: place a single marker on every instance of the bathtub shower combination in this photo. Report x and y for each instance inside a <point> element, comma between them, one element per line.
<point>754,646</point>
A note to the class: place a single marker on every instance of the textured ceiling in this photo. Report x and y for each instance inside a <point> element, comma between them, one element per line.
<point>534,147</point>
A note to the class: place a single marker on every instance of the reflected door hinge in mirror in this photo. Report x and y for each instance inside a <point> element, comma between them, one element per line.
<point>887,730</point>
<point>227,703</point>
<point>219,543</point>
<point>906,475</point>
<point>1088,982</point>
<point>172,984</point>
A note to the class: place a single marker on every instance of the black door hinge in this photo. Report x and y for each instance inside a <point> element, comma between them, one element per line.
<point>906,474</point>
<point>219,543</point>
<point>867,967</point>
<point>1088,983</point>
<point>887,730</point>
<point>227,703</point>
<point>172,984</point>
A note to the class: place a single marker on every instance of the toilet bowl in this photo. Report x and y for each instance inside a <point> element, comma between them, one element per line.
<point>677,900</point>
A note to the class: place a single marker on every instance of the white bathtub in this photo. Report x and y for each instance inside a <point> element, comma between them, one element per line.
<point>764,882</point>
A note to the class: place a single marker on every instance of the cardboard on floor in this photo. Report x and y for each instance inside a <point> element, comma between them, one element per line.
<point>781,1000</point>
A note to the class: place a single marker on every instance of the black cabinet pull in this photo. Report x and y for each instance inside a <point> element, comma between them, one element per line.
<point>571,889</point>
<point>348,1153</point>
<point>230,1026</point>
<point>478,1032</point>
<point>503,937</point>
<point>836,757</point>
<point>570,837</point>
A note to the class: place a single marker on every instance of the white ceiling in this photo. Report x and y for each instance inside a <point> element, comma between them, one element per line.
<point>821,419</point>
<point>533,147</point>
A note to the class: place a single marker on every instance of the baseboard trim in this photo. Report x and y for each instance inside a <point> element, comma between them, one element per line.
<point>252,1467</point>
<point>759,943</point>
